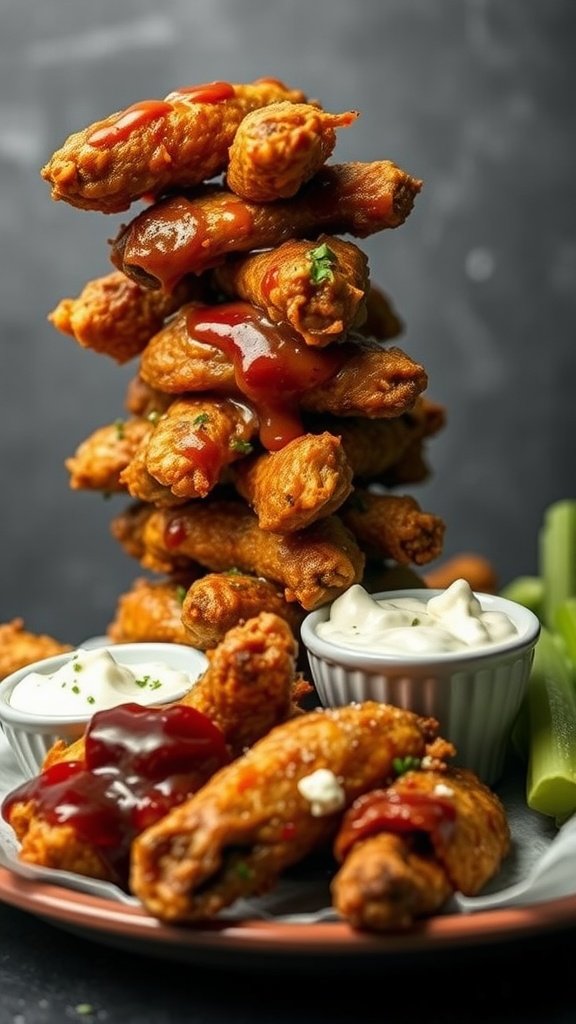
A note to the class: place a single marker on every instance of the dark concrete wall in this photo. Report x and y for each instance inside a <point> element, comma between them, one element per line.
<point>474,96</point>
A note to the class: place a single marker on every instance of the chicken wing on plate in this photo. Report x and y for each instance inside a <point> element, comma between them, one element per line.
<point>182,234</point>
<point>312,566</point>
<point>156,145</point>
<point>252,820</point>
<point>278,148</point>
<point>317,287</point>
<point>405,849</point>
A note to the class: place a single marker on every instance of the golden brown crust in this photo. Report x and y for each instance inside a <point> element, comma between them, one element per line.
<point>250,821</point>
<point>218,601</point>
<point>308,479</point>
<point>322,300</point>
<point>183,235</point>
<point>185,144</point>
<point>394,526</point>
<point>476,569</point>
<point>20,647</point>
<point>99,460</point>
<point>278,148</point>
<point>151,611</point>
<point>116,316</point>
<point>381,320</point>
<point>313,565</point>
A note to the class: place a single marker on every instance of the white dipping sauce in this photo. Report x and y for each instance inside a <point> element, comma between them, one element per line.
<point>451,621</point>
<point>92,680</point>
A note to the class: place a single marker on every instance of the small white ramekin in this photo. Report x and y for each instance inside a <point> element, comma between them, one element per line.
<point>475,696</point>
<point>31,735</point>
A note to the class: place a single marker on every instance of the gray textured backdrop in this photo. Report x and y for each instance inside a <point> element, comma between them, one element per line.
<point>474,96</point>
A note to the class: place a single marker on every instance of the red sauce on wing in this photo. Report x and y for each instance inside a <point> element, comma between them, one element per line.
<point>175,533</point>
<point>272,364</point>
<point>207,92</point>
<point>269,281</point>
<point>127,121</point>
<point>202,452</point>
<point>389,811</point>
<point>139,763</point>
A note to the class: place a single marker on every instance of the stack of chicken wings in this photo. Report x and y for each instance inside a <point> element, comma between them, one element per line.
<point>272,423</point>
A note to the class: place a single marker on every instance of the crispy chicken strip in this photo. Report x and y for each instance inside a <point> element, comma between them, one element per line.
<point>478,570</point>
<point>216,602</point>
<point>394,526</point>
<point>372,381</point>
<point>318,287</point>
<point>405,849</point>
<point>141,485</point>
<point>308,479</point>
<point>20,647</point>
<point>278,148</point>
<point>117,317</point>
<point>195,439</point>
<point>100,459</point>
<point>251,821</point>
<point>151,611</point>
<point>181,235</point>
<point>156,145</point>
<point>313,565</point>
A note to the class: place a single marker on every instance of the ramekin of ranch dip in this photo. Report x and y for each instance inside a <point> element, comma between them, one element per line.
<point>461,657</point>
<point>56,697</point>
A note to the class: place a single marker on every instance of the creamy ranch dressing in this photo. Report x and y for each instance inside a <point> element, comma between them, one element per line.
<point>92,680</point>
<point>451,621</point>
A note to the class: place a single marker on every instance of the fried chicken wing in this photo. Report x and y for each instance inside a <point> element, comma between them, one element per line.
<point>406,848</point>
<point>99,460</point>
<point>141,485</point>
<point>313,565</point>
<point>142,400</point>
<point>117,317</point>
<point>181,235</point>
<point>278,148</point>
<point>216,602</point>
<point>317,287</point>
<point>394,526</point>
<point>251,820</point>
<point>20,647</point>
<point>476,569</point>
<point>307,479</point>
<point>156,145</point>
<point>372,381</point>
<point>381,320</point>
<point>151,611</point>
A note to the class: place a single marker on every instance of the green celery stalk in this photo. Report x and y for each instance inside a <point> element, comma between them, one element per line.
<point>557,556</point>
<point>525,590</point>
<point>551,702</point>
<point>564,624</point>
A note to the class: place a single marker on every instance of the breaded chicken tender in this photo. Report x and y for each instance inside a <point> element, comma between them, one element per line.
<point>313,565</point>
<point>476,569</point>
<point>99,460</point>
<point>278,148</point>
<point>117,317</point>
<point>216,602</point>
<point>317,287</point>
<point>394,526</point>
<point>405,849</point>
<point>308,479</point>
<point>372,381</point>
<point>20,647</point>
<point>183,235</point>
<point>252,820</point>
<point>151,611</point>
<point>156,145</point>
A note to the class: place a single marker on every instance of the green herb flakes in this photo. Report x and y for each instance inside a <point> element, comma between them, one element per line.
<point>200,419</point>
<point>120,432</point>
<point>181,593</point>
<point>402,765</point>
<point>322,262</point>
<point>244,447</point>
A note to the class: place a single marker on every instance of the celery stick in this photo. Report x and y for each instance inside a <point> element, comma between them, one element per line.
<point>557,556</point>
<point>551,700</point>
<point>526,590</point>
<point>564,624</point>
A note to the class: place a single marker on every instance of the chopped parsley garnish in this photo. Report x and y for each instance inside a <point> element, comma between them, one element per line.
<point>415,622</point>
<point>200,419</point>
<point>240,446</point>
<point>147,683</point>
<point>119,424</point>
<point>75,689</point>
<point>77,666</point>
<point>142,682</point>
<point>91,700</point>
<point>406,764</point>
<point>322,262</point>
<point>181,593</point>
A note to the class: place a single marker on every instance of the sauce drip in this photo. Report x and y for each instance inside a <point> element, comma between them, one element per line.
<point>139,763</point>
<point>385,811</point>
<point>175,533</point>
<point>272,364</point>
<point>207,92</point>
<point>128,120</point>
